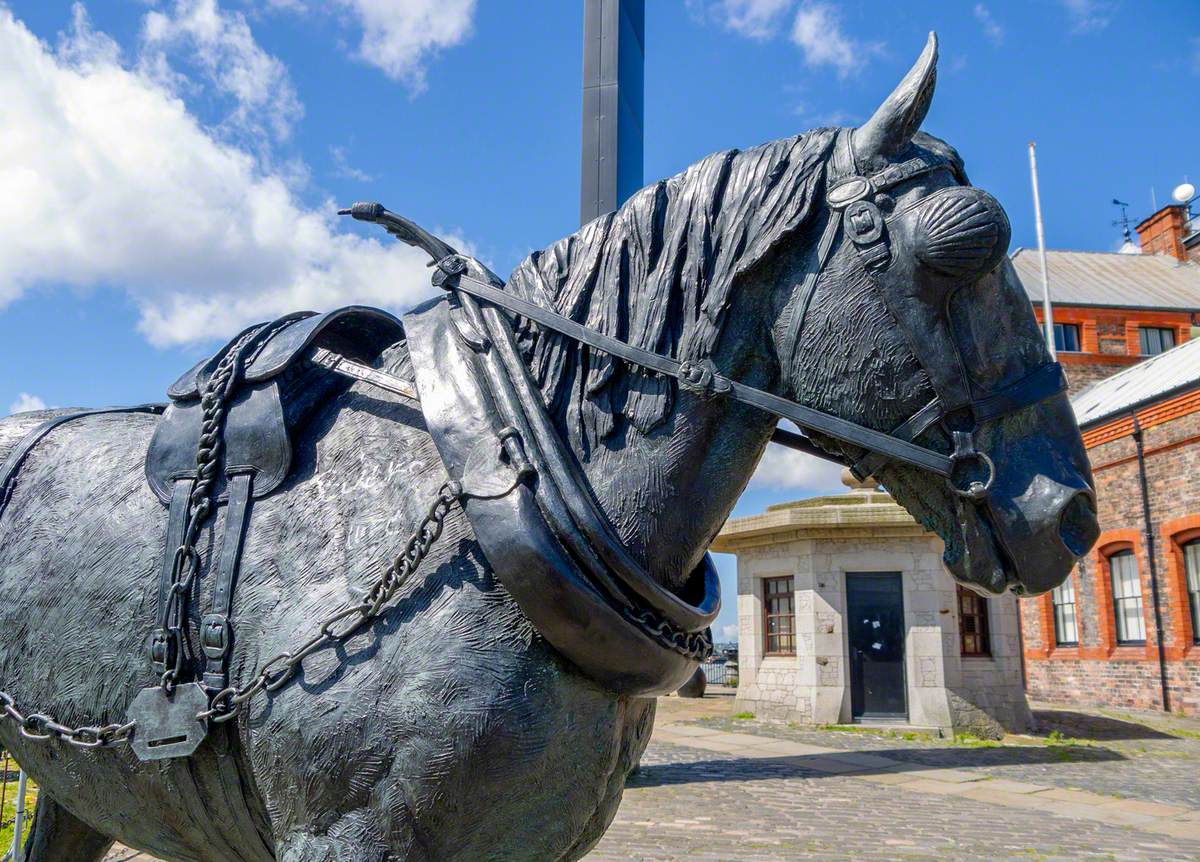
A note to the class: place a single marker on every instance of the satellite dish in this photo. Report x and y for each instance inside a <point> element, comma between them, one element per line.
<point>1184,192</point>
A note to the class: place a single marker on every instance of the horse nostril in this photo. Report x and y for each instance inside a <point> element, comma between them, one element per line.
<point>1078,526</point>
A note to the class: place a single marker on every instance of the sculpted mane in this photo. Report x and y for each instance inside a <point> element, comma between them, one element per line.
<point>660,273</point>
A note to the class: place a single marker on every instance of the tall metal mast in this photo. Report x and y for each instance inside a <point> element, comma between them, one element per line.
<point>613,69</point>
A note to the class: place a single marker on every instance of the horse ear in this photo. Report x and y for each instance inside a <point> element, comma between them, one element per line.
<point>892,127</point>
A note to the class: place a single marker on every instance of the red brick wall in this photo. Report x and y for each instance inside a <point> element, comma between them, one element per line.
<point>1109,340</point>
<point>1164,231</point>
<point>1099,671</point>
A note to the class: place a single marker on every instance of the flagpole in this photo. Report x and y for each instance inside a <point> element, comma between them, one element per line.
<point>1047,312</point>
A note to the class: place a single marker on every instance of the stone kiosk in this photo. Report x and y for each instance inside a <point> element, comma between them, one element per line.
<point>899,656</point>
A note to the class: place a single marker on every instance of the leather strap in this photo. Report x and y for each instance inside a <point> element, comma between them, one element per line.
<point>910,429</point>
<point>163,641</point>
<point>806,417</point>
<point>1045,382</point>
<point>216,629</point>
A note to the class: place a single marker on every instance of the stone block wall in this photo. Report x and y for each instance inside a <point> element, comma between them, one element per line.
<point>944,690</point>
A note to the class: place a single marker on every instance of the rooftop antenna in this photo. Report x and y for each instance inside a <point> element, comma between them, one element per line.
<point>1123,221</point>
<point>1185,193</point>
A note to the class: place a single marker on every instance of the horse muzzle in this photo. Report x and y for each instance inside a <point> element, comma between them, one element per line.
<point>1038,516</point>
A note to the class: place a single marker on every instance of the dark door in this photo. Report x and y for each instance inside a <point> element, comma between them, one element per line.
<point>875,615</point>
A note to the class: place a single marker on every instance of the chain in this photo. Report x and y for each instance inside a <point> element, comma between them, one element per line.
<point>275,673</point>
<point>40,728</point>
<point>215,400</point>
<point>697,646</point>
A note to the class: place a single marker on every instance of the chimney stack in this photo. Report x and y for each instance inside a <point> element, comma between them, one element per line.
<point>1164,232</point>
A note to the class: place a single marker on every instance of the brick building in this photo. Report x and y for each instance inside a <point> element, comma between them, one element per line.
<point>1111,311</point>
<point>1124,630</point>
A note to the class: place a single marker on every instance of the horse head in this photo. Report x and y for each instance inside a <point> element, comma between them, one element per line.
<point>907,317</point>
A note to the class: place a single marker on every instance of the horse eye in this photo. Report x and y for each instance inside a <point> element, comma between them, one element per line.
<point>961,232</point>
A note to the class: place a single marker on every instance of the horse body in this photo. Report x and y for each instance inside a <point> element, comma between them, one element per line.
<point>448,711</point>
<point>448,729</point>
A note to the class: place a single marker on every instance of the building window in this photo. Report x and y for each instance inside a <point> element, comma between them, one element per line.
<point>1155,339</point>
<point>1127,598</point>
<point>779,623</point>
<point>973,623</point>
<point>1066,624</point>
<point>1191,565</point>
<point>1066,337</point>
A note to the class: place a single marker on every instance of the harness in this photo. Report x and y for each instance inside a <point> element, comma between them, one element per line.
<point>225,438</point>
<point>854,201</point>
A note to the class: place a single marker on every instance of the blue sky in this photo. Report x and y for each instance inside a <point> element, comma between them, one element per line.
<point>169,170</point>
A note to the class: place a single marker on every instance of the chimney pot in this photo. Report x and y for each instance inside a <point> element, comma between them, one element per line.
<point>1163,232</point>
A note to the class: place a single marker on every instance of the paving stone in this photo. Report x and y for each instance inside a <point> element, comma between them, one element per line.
<point>942,788</point>
<point>1010,786</point>
<point>780,810</point>
<point>1102,752</point>
<point>1082,797</point>
<point>1140,806</point>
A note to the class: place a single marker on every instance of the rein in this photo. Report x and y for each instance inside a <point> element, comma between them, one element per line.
<point>852,211</point>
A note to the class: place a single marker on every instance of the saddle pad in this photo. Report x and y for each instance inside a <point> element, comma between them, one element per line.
<point>257,430</point>
<point>357,332</point>
<point>255,436</point>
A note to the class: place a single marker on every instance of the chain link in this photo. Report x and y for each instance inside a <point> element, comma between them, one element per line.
<point>40,728</point>
<point>697,646</point>
<point>215,400</point>
<point>228,703</point>
<point>275,673</point>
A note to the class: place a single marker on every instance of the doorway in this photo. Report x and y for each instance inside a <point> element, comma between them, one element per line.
<point>875,629</point>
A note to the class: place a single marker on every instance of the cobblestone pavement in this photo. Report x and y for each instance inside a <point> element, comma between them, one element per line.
<point>1138,756</point>
<point>694,805</point>
<point>717,789</point>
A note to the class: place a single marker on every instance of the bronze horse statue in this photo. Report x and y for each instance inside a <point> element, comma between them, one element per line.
<point>852,274</point>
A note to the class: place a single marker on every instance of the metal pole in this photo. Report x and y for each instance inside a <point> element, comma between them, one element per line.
<point>1047,312</point>
<point>18,850</point>
<point>613,69</point>
<point>1153,562</point>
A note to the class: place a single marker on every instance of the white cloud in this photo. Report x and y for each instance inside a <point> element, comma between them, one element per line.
<point>817,31</point>
<point>1089,14</point>
<point>25,403</point>
<point>400,36</point>
<point>991,28</point>
<point>755,19</point>
<point>342,167</point>
<point>223,49</point>
<point>788,470</point>
<point>108,180</point>
<point>728,634</point>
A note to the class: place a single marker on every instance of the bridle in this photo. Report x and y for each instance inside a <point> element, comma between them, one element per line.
<point>853,199</point>
<point>856,201</point>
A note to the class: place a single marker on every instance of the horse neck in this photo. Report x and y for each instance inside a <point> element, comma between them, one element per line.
<point>669,492</point>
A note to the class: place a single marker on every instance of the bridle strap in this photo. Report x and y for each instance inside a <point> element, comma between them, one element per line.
<point>703,378</point>
<point>696,375</point>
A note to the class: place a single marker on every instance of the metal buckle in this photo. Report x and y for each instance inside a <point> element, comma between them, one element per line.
<point>162,645</point>
<point>214,636</point>
<point>850,190</point>
<point>965,453</point>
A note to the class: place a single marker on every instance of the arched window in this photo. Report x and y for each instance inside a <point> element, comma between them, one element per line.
<point>1191,566</point>
<point>1127,597</point>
